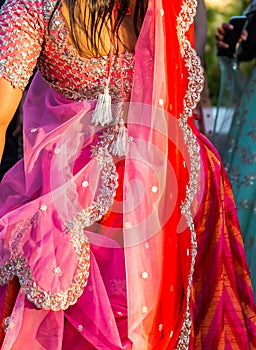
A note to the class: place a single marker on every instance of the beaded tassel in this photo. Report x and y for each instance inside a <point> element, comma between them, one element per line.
<point>102,115</point>
<point>119,143</point>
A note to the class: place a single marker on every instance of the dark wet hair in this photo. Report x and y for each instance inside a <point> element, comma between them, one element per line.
<point>98,13</point>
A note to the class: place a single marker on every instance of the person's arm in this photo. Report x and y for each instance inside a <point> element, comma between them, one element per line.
<point>9,101</point>
<point>22,30</point>
<point>200,23</point>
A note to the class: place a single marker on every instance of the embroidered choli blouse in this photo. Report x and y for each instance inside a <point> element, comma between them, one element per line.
<point>33,33</point>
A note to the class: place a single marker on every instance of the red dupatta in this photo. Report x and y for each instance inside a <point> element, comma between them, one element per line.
<point>168,77</point>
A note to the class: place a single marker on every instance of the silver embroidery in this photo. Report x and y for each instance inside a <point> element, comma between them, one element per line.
<point>18,265</point>
<point>61,67</point>
<point>191,98</point>
<point>19,49</point>
<point>106,194</point>
<point>57,60</point>
<point>45,299</point>
<point>7,323</point>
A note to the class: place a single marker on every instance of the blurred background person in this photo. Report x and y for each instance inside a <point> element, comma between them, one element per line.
<point>239,153</point>
<point>203,112</point>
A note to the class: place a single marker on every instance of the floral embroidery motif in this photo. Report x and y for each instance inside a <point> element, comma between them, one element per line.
<point>40,297</point>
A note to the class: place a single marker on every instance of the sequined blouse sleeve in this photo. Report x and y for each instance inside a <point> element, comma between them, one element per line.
<point>22,26</point>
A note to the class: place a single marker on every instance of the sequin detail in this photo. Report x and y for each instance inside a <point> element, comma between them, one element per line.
<point>7,322</point>
<point>191,98</point>
<point>80,328</point>
<point>76,77</point>
<point>85,184</point>
<point>144,275</point>
<point>21,37</point>
<point>43,207</point>
<point>154,189</point>
<point>33,33</point>
<point>144,309</point>
<point>57,270</point>
<point>40,297</point>
<point>106,194</point>
<point>17,265</point>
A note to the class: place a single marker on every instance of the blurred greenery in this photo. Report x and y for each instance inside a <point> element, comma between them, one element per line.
<point>216,15</point>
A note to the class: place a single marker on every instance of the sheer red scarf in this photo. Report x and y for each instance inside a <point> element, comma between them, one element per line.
<point>175,76</point>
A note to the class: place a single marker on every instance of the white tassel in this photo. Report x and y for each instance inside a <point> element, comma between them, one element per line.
<point>102,114</point>
<point>119,144</point>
